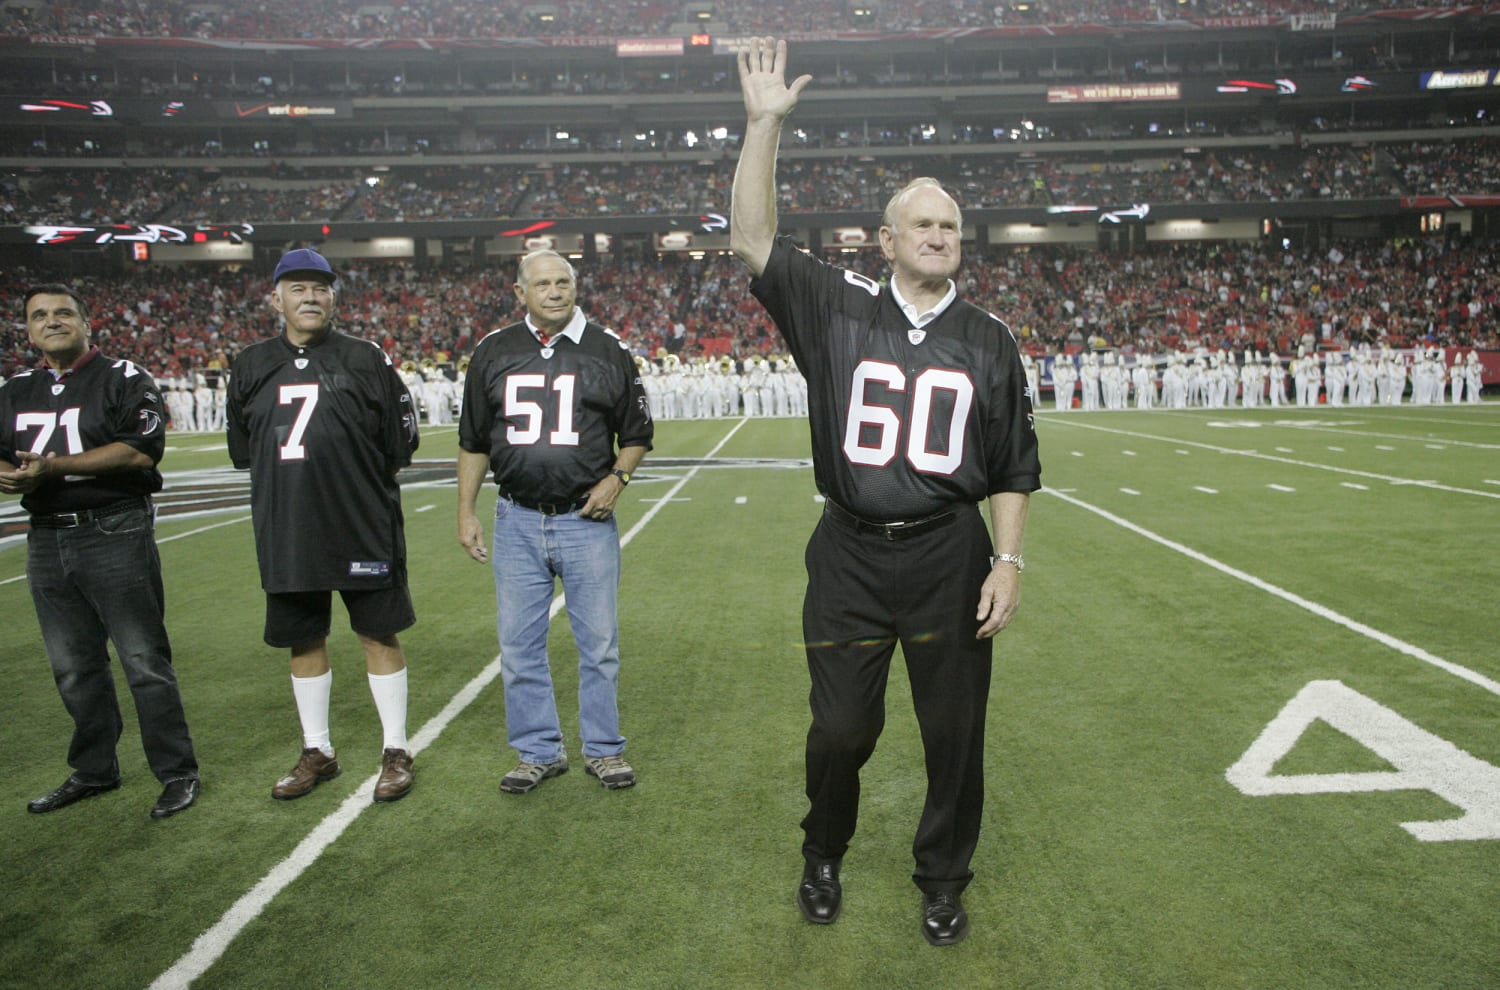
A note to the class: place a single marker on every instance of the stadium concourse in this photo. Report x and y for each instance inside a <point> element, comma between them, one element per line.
<point>181,197</point>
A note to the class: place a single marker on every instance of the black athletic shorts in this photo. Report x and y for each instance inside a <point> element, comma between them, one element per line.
<point>298,617</point>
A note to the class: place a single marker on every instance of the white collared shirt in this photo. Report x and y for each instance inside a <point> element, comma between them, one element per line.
<point>573,331</point>
<point>922,319</point>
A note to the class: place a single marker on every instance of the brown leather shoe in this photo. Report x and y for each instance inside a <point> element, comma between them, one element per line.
<point>395,775</point>
<point>310,771</point>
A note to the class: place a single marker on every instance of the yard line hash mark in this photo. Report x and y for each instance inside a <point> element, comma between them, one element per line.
<point>1321,611</point>
<point>1313,465</point>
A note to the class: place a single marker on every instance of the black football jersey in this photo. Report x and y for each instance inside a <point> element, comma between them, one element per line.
<point>101,401</point>
<point>904,421</point>
<point>323,430</point>
<point>549,416</point>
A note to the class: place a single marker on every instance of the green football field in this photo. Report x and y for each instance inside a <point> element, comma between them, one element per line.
<point>1244,733</point>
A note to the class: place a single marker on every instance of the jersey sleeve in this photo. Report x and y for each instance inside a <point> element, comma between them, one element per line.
<point>138,417</point>
<point>235,426</point>
<point>401,436</point>
<point>797,291</point>
<point>1011,460</point>
<point>633,412</point>
<point>7,427</point>
<point>476,415</point>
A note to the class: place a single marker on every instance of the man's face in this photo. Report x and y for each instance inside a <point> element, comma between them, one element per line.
<point>305,303</point>
<point>57,328</point>
<point>549,293</point>
<point>924,244</point>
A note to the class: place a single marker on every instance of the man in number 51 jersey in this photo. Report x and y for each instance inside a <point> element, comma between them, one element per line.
<point>546,401</point>
<point>323,422</point>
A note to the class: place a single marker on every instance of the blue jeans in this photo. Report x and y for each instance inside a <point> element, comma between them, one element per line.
<point>531,551</point>
<point>96,583</point>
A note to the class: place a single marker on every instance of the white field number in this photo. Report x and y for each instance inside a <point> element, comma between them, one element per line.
<point>1423,762</point>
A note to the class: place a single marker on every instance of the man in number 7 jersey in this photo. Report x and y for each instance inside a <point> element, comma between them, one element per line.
<point>323,422</point>
<point>919,410</point>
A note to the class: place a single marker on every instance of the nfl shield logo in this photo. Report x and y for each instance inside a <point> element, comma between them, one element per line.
<point>916,336</point>
<point>546,352</point>
<point>58,388</point>
<point>301,363</point>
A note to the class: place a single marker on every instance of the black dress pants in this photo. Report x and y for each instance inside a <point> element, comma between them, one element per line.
<point>866,593</point>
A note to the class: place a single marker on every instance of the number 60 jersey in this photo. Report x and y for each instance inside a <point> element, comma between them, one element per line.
<point>323,429</point>
<point>905,421</point>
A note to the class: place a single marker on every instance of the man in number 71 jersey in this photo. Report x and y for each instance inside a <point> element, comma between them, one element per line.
<point>323,422</point>
<point>80,438</point>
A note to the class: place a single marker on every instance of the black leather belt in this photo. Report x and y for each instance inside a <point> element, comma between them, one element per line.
<point>900,529</point>
<point>68,520</point>
<point>546,508</point>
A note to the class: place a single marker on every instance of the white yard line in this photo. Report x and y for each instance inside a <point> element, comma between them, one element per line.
<point>1344,432</point>
<point>1314,465</point>
<point>201,529</point>
<point>1428,420</point>
<point>213,943</point>
<point>1322,611</point>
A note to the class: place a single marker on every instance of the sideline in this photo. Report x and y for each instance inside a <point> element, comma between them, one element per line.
<point>1321,611</point>
<point>1251,452</point>
<point>213,943</point>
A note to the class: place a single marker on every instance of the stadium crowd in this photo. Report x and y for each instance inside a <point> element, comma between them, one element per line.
<point>596,18</point>
<point>1219,295</point>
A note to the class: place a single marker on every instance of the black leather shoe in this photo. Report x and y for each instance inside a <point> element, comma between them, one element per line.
<point>820,896</point>
<point>944,920</point>
<point>176,796</point>
<point>70,791</point>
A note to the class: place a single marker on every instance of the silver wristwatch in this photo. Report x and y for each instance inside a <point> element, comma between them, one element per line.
<point>1015,559</point>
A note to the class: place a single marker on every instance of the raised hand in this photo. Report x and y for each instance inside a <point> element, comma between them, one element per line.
<point>763,80</point>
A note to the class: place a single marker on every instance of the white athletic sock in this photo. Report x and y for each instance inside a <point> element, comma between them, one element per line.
<point>389,692</point>
<point>312,695</point>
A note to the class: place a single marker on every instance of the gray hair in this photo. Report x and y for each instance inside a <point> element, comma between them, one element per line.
<point>535,256</point>
<point>888,218</point>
